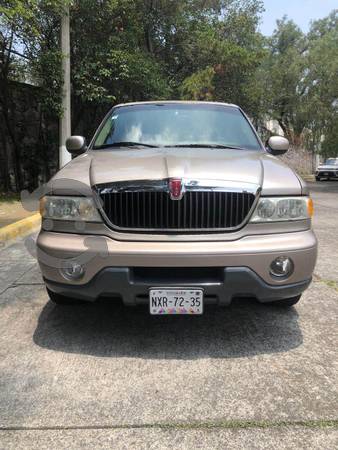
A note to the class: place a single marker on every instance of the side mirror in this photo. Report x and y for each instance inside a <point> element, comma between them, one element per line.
<point>278,145</point>
<point>76,145</point>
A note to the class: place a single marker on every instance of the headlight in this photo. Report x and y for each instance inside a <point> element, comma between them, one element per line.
<point>280,209</point>
<point>69,208</point>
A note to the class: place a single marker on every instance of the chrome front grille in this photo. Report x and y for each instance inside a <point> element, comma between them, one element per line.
<point>154,210</point>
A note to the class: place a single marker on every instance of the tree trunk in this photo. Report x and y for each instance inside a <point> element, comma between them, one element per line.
<point>148,29</point>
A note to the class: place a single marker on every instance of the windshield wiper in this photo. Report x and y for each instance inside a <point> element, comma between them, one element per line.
<point>141,144</point>
<point>123,144</point>
<point>231,147</point>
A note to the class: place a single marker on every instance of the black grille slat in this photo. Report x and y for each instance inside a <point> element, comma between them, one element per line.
<point>185,209</point>
<point>127,209</point>
<point>197,210</point>
<point>191,210</point>
<point>238,205</point>
<point>161,214</point>
<point>214,209</point>
<point>166,220</point>
<point>219,208</point>
<point>138,214</point>
<point>195,207</point>
<point>144,210</point>
<point>231,208</point>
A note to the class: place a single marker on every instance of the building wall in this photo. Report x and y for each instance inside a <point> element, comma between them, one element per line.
<point>32,136</point>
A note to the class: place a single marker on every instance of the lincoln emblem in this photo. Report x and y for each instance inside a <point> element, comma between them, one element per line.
<point>176,188</point>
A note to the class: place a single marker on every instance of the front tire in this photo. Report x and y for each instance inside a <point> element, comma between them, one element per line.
<point>59,299</point>
<point>287,302</point>
<point>318,179</point>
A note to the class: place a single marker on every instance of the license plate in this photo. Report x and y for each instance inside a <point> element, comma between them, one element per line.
<point>164,301</point>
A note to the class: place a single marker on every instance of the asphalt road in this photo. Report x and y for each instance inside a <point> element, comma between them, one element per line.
<point>101,376</point>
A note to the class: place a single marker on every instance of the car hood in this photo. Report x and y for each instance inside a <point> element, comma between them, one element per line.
<point>328,167</point>
<point>255,167</point>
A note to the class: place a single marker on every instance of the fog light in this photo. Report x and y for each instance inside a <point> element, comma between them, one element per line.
<point>282,267</point>
<point>72,270</point>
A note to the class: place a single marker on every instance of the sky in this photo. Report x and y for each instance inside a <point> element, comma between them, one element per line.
<point>300,11</point>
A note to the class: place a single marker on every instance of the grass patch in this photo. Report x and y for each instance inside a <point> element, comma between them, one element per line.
<point>330,283</point>
<point>245,424</point>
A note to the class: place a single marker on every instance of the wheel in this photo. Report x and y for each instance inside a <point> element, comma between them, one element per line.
<point>287,302</point>
<point>318,179</point>
<point>59,299</point>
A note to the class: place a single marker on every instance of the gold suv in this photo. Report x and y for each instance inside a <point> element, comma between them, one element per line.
<point>177,205</point>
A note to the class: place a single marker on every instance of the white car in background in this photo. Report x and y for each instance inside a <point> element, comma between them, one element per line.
<point>327,170</point>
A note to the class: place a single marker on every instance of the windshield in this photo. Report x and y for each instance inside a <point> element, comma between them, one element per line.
<point>331,162</point>
<point>177,125</point>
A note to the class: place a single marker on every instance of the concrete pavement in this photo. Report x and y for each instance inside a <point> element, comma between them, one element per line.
<point>102,376</point>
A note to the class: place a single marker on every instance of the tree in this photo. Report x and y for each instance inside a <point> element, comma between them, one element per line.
<point>128,50</point>
<point>282,75</point>
<point>9,25</point>
<point>143,50</point>
<point>300,80</point>
<point>322,82</point>
<point>25,53</point>
<point>224,53</point>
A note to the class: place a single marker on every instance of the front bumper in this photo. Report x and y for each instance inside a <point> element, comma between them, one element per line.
<point>327,173</point>
<point>242,267</point>
<point>220,288</point>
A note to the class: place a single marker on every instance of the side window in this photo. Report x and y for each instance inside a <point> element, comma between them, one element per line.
<point>106,132</point>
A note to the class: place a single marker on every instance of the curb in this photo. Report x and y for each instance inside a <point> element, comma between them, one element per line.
<point>309,178</point>
<point>18,229</point>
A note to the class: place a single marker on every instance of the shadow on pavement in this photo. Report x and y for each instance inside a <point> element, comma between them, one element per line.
<point>109,329</point>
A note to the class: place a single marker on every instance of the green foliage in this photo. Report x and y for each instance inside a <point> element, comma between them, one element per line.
<point>110,65</point>
<point>199,86</point>
<point>282,75</point>
<point>24,16</point>
<point>124,50</point>
<point>322,78</point>
<point>46,70</point>
<point>127,50</point>
<point>119,75</point>
<point>223,53</point>
<point>330,144</point>
<point>31,29</point>
<point>300,78</point>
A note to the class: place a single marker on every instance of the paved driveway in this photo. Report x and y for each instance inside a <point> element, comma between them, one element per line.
<point>12,211</point>
<point>103,376</point>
